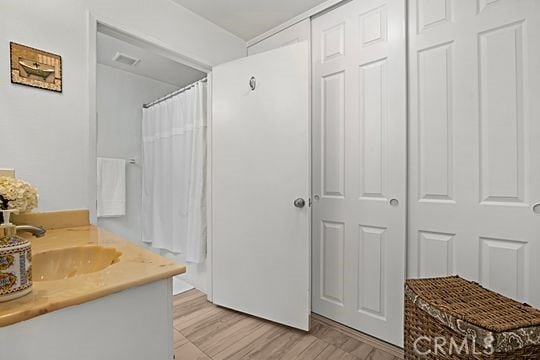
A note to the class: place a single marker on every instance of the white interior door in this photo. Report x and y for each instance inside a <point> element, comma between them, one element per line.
<point>475,149</point>
<point>261,165</point>
<point>359,166</point>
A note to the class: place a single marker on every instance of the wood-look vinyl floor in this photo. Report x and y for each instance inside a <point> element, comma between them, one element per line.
<point>203,331</point>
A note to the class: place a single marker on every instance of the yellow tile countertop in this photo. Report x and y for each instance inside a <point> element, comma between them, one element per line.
<point>136,266</point>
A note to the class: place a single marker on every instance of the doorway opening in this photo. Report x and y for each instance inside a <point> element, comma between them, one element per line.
<point>131,74</point>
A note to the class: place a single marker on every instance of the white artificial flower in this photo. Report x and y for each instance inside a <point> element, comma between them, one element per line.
<point>19,194</point>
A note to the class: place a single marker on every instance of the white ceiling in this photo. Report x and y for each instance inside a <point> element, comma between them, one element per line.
<point>248,18</point>
<point>151,65</point>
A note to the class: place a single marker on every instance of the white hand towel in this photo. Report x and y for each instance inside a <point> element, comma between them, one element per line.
<point>111,187</point>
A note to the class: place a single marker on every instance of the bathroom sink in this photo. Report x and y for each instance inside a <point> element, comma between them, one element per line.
<point>69,262</point>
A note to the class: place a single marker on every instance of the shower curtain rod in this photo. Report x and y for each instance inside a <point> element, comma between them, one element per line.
<point>174,93</point>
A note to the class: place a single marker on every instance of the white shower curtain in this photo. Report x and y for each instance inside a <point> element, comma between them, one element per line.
<point>174,174</point>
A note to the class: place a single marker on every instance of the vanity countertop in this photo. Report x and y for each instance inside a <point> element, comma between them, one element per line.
<point>136,266</point>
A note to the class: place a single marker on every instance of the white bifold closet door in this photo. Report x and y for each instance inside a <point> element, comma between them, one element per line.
<point>475,143</point>
<point>359,166</point>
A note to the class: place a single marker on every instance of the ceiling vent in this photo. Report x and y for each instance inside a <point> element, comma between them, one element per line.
<point>125,59</point>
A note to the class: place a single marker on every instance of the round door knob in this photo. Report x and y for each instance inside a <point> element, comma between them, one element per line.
<point>394,202</point>
<point>536,209</point>
<point>299,203</point>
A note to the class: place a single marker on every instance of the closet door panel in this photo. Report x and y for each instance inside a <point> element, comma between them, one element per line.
<point>435,124</point>
<point>359,132</point>
<point>474,151</point>
<point>373,103</point>
<point>333,134</point>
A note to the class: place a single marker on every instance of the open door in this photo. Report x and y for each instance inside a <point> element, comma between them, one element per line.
<point>261,185</point>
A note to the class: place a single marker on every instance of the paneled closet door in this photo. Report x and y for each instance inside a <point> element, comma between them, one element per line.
<point>359,166</point>
<point>475,143</point>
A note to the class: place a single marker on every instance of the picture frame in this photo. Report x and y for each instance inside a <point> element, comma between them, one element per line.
<point>35,68</point>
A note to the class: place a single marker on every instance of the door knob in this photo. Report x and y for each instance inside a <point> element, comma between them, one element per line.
<point>299,203</point>
<point>536,209</point>
<point>394,202</point>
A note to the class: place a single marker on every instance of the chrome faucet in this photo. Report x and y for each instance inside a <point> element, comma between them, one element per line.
<point>37,231</point>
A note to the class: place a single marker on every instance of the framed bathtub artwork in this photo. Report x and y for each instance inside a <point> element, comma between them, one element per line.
<point>36,68</point>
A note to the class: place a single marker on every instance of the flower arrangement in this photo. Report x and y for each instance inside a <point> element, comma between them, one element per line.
<point>17,194</point>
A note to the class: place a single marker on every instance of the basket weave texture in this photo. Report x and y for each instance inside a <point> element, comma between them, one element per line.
<point>467,322</point>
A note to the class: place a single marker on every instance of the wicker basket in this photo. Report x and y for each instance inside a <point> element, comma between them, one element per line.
<point>452,318</point>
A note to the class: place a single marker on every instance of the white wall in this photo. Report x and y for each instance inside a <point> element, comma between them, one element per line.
<point>300,31</point>
<point>48,138</point>
<point>45,135</point>
<point>120,96</point>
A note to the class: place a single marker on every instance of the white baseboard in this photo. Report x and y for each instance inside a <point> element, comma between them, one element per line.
<point>180,286</point>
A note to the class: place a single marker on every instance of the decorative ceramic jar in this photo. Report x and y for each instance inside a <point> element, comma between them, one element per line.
<point>15,262</point>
